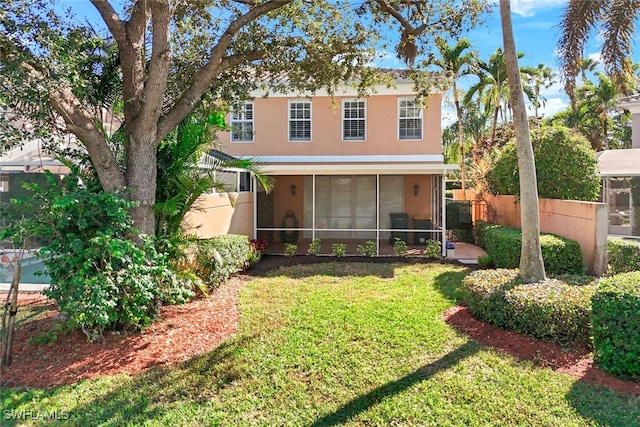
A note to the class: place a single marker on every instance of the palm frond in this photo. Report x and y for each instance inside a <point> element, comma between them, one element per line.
<point>578,20</point>
<point>619,28</point>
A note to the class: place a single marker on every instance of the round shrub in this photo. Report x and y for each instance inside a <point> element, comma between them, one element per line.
<point>555,310</point>
<point>616,324</point>
<point>623,256</point>
<point>566,166</point>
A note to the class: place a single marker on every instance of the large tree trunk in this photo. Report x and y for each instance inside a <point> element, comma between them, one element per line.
<point>531,263</point>
<point>141,178</point>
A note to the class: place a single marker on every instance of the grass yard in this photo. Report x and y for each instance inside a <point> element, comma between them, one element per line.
<point>339,343</point>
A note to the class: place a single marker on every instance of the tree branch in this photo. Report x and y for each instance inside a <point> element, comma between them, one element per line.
<point>156,82</point>
<point>114,23</point>
<point>206,74</point>
<point>81,123</point>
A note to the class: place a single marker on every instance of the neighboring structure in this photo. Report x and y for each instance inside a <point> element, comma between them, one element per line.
<point>620,172</point>
<point>348,169</point>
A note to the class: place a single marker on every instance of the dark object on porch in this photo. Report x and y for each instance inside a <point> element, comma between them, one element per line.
<point>421,223</point>
<point>289,221</point>
<point>459,221</point>
<point>401,221</point>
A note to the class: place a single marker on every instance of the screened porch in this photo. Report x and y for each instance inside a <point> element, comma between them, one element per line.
<point>351,209</point>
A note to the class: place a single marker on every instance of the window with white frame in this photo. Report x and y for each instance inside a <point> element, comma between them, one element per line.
<point>299,121</point>
<point>354,119</point>
<point>409,119</point>
<point>242,122</point>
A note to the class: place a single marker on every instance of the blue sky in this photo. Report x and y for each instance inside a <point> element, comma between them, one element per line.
<point>536,31</point>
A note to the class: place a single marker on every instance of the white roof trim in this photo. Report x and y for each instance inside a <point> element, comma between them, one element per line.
<point>377,159</point>
<point>619,162</point>
<point>358,169</point>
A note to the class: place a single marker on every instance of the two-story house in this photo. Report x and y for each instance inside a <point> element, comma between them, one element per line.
<point>347,169</point>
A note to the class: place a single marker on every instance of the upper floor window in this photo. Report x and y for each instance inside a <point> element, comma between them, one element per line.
<point>409,119</point>
<point>299,120</point>
<point>242,122</point>
<point>354,119</point>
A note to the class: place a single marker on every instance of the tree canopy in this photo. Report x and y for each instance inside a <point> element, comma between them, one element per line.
<point>150,63</point>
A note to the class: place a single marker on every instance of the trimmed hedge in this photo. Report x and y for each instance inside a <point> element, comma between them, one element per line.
<point>616,325</point>
<point>502,243</point>
<point>623,255</point>
<point>220,257</point>
<point>555,310</point>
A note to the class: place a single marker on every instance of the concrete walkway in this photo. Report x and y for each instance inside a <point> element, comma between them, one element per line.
<point>468,253</point>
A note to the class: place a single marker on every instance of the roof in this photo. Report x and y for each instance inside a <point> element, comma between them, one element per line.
<point>356,165</point>
<point>619,162</point>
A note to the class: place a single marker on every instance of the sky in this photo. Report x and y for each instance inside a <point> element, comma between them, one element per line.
<point>536,31</point>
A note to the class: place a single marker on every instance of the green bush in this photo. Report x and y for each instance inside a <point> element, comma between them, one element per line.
<point>555,310</point>
<point>339,249</point>
<point>369,249</point>
<point>314,247</point>
<point>220,257</point>
<point>503,244</point>
<point>100,277</point>
<point>290,249</point>
<point>566,166</point>
<point>616,325</point>
<point>433,249</point>
<point>480,231</point>
<point>400,247</point>
<point>623,255</point>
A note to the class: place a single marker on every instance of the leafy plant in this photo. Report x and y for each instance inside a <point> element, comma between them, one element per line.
<point>623,256</point>
<point>369,249</point>
<point>220,257</point>
<point>555,310</point>
<point>433,249</point>
<point>616,324</point>
<point>99,276</point>
<point>290,249</point>
<point>566,166</point>
<point>339,249</point>
<point>400,247</point>
<point>314,247</point>
<point>560,255</point>
<point>485,261</point>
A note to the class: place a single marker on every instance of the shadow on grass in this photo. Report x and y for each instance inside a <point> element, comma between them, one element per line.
<point>383,267</point>
<point>449,284</point>
<point>374,397</point>
<point>146,395</point>
<point>604,406</point>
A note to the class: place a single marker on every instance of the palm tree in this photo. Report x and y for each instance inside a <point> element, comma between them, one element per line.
<point>493,87</point>
<point>455,64</point>
<point>587,65</point>
<point>531,263</point>
<point>602,99</point>
<point>538,78</point>
<point>614,21</point>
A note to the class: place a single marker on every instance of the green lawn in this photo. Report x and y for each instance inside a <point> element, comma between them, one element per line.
<point>332,344</point>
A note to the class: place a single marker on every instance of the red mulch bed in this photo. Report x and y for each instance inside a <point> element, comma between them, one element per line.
<point>577,362</point>
<point>184,331</point>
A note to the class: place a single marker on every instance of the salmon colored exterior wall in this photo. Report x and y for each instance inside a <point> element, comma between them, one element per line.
<point>213,215</point>
<point>420,205</point>
<point>271,129</point>
<point>584,222</point>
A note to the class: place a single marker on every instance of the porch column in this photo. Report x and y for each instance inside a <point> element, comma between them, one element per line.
<point>444,213</point>
<point>377,214</point>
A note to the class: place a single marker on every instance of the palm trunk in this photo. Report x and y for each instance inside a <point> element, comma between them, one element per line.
<point>531,263</point>
<point>460,142</point>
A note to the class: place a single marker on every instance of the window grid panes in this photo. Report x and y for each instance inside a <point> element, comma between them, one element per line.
<point>300,121</point>
<point>242,123</point>
<point>410,119</point>
<point>354,120</point>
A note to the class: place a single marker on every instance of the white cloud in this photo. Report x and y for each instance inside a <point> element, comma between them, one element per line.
<point>386,59</point>
<point>551,107</point>
<point>528,8</point>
